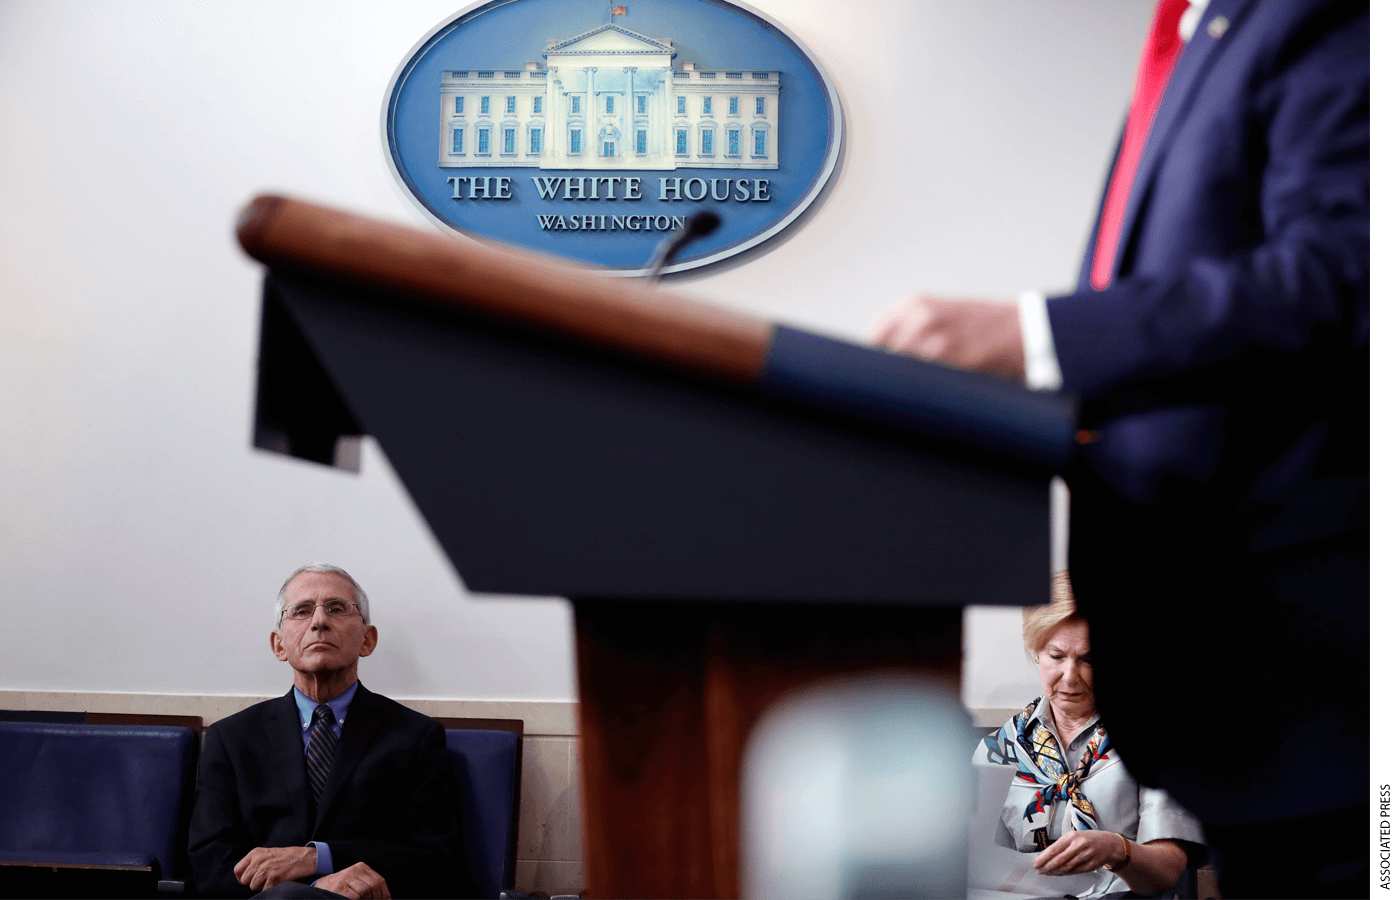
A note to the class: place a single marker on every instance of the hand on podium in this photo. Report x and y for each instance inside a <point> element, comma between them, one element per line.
<point>976,335</point>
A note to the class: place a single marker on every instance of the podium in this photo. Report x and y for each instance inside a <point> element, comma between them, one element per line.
<point>735,508</point>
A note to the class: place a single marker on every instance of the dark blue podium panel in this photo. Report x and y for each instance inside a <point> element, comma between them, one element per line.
<point>545,468</point>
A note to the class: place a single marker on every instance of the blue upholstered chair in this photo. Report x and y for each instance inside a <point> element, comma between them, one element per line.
<point>100,798</point>
<point>487,766</point>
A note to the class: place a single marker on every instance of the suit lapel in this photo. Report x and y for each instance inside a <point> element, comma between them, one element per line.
<point>1086,264</point>
<point>363,722</point>
<point>1195,62</point>
<point>288,755</point>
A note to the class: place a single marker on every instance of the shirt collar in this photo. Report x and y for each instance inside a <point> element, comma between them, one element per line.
<point>1042,713</point>
<point>1190,18</point>
<point>339,705</point>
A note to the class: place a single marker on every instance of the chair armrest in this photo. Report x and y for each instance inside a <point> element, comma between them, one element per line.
<point>72,859</point>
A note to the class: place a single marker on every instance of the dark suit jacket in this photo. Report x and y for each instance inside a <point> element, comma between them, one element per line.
<point>389,800</point>
<point>1218,526</point>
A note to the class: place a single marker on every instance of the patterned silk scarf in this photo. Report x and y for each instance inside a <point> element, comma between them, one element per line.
<point>1037,759</point>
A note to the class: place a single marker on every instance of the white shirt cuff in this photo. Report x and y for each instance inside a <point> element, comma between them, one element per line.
<point>1042,365</point>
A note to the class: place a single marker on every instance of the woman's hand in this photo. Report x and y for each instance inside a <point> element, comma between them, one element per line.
<point>1156,865</point>
<point>1080,851</point>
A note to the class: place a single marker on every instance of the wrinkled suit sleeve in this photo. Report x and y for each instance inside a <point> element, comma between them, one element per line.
<point>218,836</point>
<point>424,860</point>
<point>1290,269</point>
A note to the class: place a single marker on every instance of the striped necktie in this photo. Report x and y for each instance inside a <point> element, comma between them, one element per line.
<point>319,752</point>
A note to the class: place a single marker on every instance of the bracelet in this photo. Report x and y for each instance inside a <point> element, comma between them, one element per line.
<point>1127,857</point>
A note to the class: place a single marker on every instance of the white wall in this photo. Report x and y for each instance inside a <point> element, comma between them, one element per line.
<point>141,539</point>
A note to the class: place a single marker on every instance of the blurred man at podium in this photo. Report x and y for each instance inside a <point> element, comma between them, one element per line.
<point>1218,342</point>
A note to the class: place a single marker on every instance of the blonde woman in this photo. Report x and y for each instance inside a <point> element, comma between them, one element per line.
<point>1072,801</point>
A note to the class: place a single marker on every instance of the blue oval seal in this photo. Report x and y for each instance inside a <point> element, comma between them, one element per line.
<point>594,131</point>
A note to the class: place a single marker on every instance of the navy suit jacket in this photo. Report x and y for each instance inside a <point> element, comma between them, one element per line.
<point>389,800</point>
<point>1218,524</point>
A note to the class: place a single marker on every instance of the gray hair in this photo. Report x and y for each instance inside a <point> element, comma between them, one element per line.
<point>361,597</point>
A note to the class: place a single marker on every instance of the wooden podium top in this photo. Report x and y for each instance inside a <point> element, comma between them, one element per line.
<point>509,286</point>
<point>568,433</point>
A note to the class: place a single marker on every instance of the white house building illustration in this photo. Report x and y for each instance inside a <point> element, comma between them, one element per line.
<point>609,99</point>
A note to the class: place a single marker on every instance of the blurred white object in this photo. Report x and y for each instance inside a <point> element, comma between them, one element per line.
<point>858,787</point>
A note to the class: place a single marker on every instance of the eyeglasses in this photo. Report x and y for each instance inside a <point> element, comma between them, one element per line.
<point>336,609</point>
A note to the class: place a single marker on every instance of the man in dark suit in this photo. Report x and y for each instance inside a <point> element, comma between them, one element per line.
<point>1219,343</point>
<point>330,785</point>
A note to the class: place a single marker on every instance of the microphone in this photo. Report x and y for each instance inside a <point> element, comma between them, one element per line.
<point>697,226</point>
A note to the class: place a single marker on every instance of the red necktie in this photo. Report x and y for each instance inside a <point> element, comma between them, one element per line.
<point>1159,55</point>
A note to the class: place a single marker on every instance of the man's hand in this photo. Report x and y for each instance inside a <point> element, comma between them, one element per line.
<point>358,882</point>
<point>266,867</point>
<point>977,335</point>
<point>1080,851</point>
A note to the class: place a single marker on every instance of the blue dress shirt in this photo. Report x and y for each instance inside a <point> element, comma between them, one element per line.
<point>305,708</point>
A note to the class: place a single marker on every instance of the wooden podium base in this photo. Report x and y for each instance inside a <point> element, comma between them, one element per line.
<point>669,693</point>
